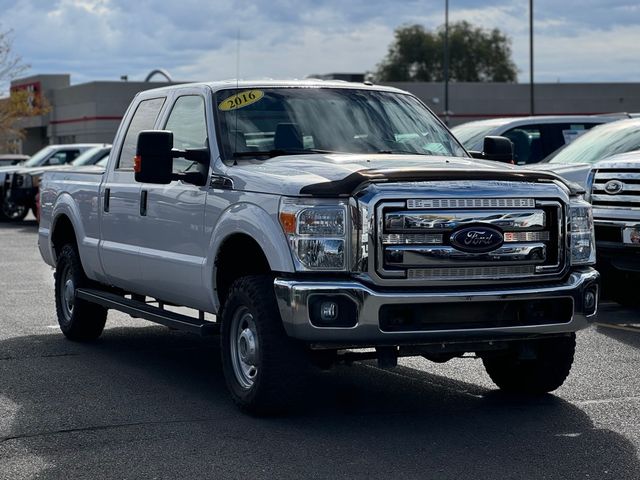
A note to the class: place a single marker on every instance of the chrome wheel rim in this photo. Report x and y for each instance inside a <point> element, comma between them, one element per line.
<point>68,294</point>
<point>244,347</point>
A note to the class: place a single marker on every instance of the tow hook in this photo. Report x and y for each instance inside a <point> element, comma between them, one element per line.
<point>387,357</point>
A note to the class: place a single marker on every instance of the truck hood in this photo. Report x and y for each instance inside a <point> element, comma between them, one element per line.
<point>571,172</point>
<point>340,174</point>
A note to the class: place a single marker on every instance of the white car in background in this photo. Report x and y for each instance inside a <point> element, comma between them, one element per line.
<point>533,138</point>
<point>606,163</point>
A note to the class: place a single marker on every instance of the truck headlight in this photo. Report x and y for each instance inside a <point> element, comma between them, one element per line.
<point>316,232</point>
<point>581,233</point>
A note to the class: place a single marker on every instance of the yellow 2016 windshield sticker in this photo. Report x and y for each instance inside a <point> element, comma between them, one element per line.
<point>240,100</point>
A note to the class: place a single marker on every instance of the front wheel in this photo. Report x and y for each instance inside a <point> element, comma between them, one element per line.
<point>538,367</point>
<point>12,212</point>
<point>262,366</point>
<point>78,319</point>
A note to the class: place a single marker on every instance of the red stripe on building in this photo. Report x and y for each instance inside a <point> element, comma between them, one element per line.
<point>84,119</point>
<point>509,115</point>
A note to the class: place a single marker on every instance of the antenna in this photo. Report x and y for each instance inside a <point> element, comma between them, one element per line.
<point>235,133</point>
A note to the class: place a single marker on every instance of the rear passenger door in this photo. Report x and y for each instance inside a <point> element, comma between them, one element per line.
<point>173,247</point>
<point>121,228</point>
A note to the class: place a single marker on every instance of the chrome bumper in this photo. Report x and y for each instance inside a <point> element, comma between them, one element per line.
<point>293,301</point>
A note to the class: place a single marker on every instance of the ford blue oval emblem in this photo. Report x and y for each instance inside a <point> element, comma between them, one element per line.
<point>476,239</point>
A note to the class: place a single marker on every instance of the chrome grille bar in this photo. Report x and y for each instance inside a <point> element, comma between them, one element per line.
<point>411,238</point>
<point>471,203</point>
<point>628,193</point>
<point>442,255</point>
<point>526,237</point>
<point>406,221</point>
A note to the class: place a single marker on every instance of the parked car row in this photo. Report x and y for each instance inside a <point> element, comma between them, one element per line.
<point>19,183</point>
<point>602,155</point>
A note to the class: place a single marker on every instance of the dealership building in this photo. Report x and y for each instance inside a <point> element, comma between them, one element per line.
<point>91,112</point>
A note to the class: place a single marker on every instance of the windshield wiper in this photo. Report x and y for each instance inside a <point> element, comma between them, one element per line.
<point>407,152</point>
<point>279,152</point>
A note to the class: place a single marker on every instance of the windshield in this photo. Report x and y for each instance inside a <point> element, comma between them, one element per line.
<point>278,121</point>
<point>600,142</point>
<point>91,156</point>
<point>39,158</point>
<point>472,135</point>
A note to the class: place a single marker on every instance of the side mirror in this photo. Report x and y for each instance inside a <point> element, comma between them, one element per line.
<point>498,149</point>
<point>154,158</point>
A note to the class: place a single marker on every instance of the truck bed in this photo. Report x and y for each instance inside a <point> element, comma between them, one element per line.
<point>76,191</point>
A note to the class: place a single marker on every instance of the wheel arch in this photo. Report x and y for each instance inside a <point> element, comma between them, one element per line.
<point>246,233</point>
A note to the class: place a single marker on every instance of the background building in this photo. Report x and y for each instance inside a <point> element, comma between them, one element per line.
<point>87,112</point>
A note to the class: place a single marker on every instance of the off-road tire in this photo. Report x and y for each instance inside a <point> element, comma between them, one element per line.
<point>545,373</point>
<point>82,321</point>
<point>280,362</point>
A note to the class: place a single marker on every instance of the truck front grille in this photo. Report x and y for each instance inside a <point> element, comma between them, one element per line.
<point>616,188</point>
<point>416,240</point>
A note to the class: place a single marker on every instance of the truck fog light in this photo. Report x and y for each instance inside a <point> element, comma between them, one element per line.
<point>590,300</point>
<point>328,311</point>
<point>332,310</point>
<point>631,235</point>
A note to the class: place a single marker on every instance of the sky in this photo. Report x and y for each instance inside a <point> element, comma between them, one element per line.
<point>575,41</point>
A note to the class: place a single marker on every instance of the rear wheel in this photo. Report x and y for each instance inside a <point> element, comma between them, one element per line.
<point>536,367</point>
<point>262,366</point>
<point>78,319</point>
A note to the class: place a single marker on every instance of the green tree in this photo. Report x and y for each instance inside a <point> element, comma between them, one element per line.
<point>475,55</point>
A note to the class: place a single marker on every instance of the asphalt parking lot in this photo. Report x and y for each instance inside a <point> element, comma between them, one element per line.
<point>147,402</point>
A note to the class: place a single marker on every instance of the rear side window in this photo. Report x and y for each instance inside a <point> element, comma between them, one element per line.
<point>144,118</point>
<point>62,157</point>
<point>189,126</point>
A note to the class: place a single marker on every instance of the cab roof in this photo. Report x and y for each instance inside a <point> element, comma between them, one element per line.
<point>270,83</point>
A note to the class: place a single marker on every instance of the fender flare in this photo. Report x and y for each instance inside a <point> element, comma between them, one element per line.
<point>257,223</point>
<point>66,206</point>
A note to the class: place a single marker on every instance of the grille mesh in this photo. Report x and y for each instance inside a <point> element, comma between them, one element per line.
<point>465,273</point>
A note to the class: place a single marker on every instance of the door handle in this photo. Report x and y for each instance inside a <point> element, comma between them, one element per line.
<point>143,203</point>
<point>107,194</point>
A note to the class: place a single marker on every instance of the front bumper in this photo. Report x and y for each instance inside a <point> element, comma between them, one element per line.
<point>294,296</point>
<point>22,196</point>
<point>614,248</point>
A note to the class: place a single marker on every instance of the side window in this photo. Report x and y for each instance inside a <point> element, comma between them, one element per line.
<point>62,157</point>
<point>188,124</point>
<point>57,158</point>
<point>144,118</point>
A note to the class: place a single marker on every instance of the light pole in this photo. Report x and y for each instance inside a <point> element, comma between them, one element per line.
<point>446,62</point>
<point>531,86</point>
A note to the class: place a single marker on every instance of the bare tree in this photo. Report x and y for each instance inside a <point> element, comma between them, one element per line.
<point>11,65</point>
<point>18,103</point>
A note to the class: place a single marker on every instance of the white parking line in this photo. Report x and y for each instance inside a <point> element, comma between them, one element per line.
<point>626,328</point>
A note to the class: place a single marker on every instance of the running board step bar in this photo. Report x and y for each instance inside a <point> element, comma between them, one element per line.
<point>143,310</point>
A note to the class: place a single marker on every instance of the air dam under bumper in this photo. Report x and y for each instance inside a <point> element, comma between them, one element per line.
<point>532,311</point>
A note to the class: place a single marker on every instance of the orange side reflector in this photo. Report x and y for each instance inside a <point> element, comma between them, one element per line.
<point>288,221</point>
<point>137,164</point>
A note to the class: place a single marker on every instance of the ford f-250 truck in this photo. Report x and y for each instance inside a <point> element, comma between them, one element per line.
<point>319,221</point>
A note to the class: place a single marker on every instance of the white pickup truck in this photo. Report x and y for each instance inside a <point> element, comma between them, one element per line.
<point>321,222</point>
